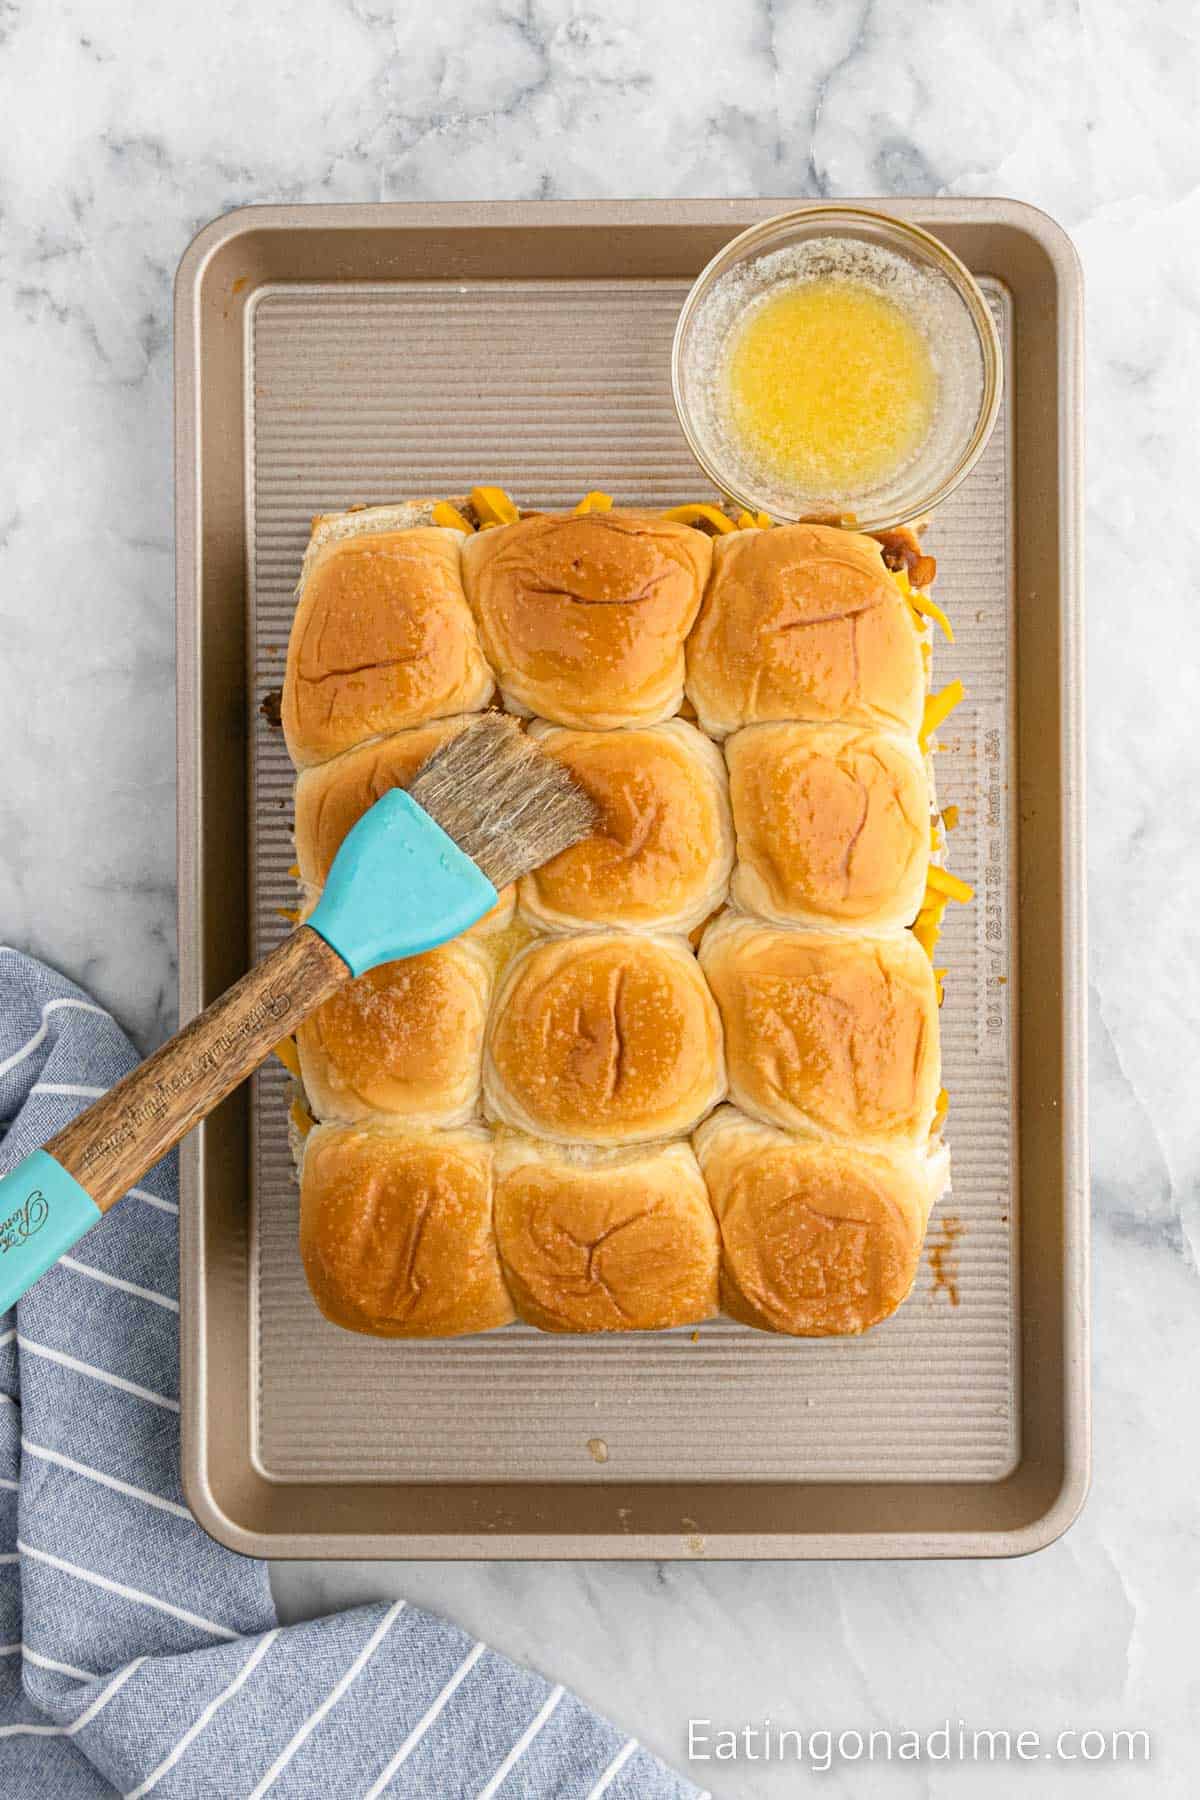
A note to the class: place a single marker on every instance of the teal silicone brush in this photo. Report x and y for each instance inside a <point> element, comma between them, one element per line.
<point>420,867</point>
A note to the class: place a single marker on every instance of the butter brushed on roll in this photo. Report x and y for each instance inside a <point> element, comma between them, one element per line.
<point>382,638</point>
<point>396,1231</point>
<point>583,616</point>
<point>832,824</point>
<point>604,1038</point>
<point>817,1239</point>
<point>405,1039</point>
<point>804,622</point>
<point>605,1240</point>
<point>836,1036</point>
<point>661,855</point>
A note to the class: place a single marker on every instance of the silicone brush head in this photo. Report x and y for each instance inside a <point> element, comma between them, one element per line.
<point>506,804</point>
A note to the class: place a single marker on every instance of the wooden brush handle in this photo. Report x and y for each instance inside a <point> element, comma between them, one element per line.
<point>125,1133</point>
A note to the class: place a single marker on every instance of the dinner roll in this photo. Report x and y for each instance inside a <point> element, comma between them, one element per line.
<point>396,1231</point>
<point>606,1240</point>
<point>817,1239</point>
<point>604,1039</point>
<point>832,823</point>
<point>405,1038</point>
<point>804,622</point>
<point>833,1035</point>
<point>334,795</point>
<point>583,616</point>
<point>661,857</point>
<point>382,638</point>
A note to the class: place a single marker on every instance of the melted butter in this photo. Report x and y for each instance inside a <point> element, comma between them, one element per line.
<point>830,385</point>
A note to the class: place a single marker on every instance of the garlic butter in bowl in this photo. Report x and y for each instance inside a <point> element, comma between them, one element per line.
<point>835,363</point>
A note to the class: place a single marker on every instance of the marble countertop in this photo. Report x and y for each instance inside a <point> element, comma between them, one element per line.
<point>126,127</point>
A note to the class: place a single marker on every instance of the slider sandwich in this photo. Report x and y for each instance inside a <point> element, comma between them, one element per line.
<point>832,824</point>
<point>662,851</point>
<point>382,638</point>
<point>569,1117</point>
<point>605,1240</point>
<point>828,1034</point>
<point>817,1239</point>
<point>605,1038</point>
<point>804,622</point>
<point>396,1231</point>
<point>583,617</point>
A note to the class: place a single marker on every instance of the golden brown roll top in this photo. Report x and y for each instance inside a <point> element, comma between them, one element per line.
<point>605,1240</point>
<point>804,622</point>
<point>817,1239</point>
<point>404,1039</point>
<point>382,638</point>
<point>583,616</point>
<point>396,1231</point>
<point>603,1039</point>
<point>334,795</point>
<point>832,823</point>
<point>832,1035</point>
<point>661,857</point>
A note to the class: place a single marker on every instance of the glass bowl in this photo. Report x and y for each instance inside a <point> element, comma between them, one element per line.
<point>952,311</point>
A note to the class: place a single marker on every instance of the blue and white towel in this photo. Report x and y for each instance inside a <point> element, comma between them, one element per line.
<point>136,1654</point>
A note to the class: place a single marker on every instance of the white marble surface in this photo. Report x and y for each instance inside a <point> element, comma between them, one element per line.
<point>126,125</point>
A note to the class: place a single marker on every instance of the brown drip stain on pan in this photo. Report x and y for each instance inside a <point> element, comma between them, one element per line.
<point>941,1255</point>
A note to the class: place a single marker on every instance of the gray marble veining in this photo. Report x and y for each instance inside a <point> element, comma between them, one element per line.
<point>125,127</point>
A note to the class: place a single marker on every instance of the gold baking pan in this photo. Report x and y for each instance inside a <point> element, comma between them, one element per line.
<point>330,355</point>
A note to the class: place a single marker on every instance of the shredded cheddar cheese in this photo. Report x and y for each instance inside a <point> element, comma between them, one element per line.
<point>939,978</point>
<point>493,506</point>
<point>697,514</point>
<point>449,516</point>
<point>941,881</point>
<point>927,927</point>
<point>285,1050</point>
<point>950,818</point>
<point>929,609</point>
<point>595,502</point>
<point>301,1118</point>
<point>938,708</point>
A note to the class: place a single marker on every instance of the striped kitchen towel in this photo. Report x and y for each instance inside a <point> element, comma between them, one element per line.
<point>137,1655</point>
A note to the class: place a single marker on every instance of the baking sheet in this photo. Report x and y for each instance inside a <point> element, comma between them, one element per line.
<point>550,384</point>
<point>369,394</point>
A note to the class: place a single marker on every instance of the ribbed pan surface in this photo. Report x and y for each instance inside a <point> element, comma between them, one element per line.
<point>548,389</point>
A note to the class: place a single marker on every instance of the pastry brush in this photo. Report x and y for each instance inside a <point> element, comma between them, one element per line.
<point>422,865</point>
